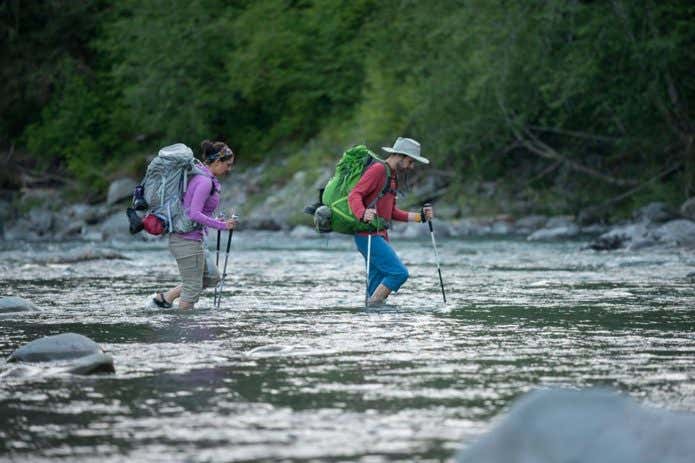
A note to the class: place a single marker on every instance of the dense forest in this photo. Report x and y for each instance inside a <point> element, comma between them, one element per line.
<point>569,104</point>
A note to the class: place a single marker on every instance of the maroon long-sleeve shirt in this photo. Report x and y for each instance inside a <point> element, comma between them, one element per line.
<point>367,189</point>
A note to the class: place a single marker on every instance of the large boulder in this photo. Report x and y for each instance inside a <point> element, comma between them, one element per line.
<point>20,230</point>
<point>12,304</point>
<point>621,236</point>
<point>116,226</point>
<point>688,209</point>
<point>119,189</point>
<point>584,427</point>
<point>58,347</point>
<point>532,222</point>
<point>41,220</point>
<point>656,212</point>
<point>84,355</point>
<point>680,232</point>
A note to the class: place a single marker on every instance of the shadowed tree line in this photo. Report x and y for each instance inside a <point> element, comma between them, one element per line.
<point>574,103</point>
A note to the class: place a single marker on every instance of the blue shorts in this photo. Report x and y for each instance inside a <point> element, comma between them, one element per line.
<point>385,267</point>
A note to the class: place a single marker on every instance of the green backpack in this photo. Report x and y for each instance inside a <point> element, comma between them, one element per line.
<point>335,214</point>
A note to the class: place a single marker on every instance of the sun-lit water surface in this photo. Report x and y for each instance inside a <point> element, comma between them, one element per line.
<point>292,368</point>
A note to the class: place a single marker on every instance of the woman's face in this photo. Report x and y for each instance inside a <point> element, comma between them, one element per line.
<point>221,167</point>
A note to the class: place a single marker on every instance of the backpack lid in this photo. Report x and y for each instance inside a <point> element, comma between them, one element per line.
<point>176,150</point>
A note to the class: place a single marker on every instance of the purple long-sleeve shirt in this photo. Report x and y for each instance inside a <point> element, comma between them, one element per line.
<point>200,204</point>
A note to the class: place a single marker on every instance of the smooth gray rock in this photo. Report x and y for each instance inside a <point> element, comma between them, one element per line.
<point>681,232</point>
<point>11,304</point>
<point>416,230</point>
<point>41,220</point>
<point>559,221</point>
<point>657,212</point>
<point>20,230</point>
<point>622,236</point>
<point>116,227</point>
<point>470,227</point>
<point>120,189</point>
<point>86,213</point>
<point>501,227</point>
<point>533,222</point>
<point>588,426</point>
<point>58,347</point>
<point>688,209</point>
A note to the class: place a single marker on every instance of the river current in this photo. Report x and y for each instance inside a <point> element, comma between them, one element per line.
<point>292,367</point>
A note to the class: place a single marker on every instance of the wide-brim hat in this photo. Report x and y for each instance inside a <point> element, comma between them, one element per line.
<point>408,147</point>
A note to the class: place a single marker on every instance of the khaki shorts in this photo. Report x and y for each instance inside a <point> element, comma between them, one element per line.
<point>196,267</point>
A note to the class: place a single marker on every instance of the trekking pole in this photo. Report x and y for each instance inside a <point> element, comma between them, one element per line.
<point>226,258</point>
<point>217,263</point>
<point>369,257</point>
<point>436,255</point>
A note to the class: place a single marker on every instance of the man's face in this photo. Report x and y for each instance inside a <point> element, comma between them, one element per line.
<point>405,164</point>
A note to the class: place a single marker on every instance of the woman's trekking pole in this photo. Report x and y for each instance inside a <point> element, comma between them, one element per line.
<point>217,263</point>
<point>436,255</point>
<point>369,257</point>
<point>226,258</point>
<point>224,273</point>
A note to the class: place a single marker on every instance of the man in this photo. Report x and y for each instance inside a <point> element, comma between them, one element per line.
<point>386,271</point>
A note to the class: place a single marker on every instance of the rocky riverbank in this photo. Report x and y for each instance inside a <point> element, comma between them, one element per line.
<point>43,215</point>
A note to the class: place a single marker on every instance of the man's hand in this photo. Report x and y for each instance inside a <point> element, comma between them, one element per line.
<point>369,215</point>
<point>427,213</point>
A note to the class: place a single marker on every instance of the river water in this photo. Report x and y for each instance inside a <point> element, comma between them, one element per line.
<point>293,368</point>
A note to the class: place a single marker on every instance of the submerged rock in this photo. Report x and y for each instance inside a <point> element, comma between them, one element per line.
<point>95,363</point>
<point>85,355</point>
<point>12,304</point>
<point>607,243</point>
<point>585,427</point>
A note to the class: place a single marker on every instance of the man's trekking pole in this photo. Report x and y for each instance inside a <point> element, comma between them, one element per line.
<point>226,258</point>
<point>436,255</point>
<point>369,257</point>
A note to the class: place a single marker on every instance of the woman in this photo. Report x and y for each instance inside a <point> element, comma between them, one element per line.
<point>200,201</point>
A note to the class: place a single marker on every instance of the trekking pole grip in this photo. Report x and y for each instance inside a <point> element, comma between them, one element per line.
<point>429,221</point>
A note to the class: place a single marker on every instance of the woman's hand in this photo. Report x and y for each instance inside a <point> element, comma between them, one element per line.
<point>231,223</point>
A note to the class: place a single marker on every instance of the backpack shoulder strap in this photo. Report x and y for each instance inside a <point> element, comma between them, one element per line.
<point>197,169</point>
<point>386,187</point>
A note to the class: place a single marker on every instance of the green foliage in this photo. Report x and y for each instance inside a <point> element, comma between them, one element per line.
<point>578,100</point>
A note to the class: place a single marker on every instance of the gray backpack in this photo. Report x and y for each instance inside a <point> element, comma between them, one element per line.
<point>165,184</point>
